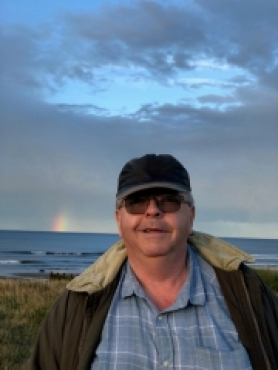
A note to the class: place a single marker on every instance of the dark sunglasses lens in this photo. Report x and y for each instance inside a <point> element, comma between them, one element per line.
<point>139,205</point>
<point>169,203</point>
<point>136,205</point>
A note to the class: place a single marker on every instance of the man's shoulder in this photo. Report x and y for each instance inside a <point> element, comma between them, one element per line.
<point>67,304</point>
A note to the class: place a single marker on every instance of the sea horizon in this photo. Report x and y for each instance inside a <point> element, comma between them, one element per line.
<point>115,233</point>
<point>44,252</point>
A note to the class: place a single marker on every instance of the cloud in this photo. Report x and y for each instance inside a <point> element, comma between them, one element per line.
<point>175,36</point>
<point>67,159</point>
<point>217,99</point>
<point>66,153</point>
<point>175,39</point>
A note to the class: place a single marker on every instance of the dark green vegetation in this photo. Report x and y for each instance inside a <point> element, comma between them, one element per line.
<point>270,277</point>
<point>23,305</point>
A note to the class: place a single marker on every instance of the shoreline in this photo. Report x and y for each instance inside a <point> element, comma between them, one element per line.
<point>48,276</point>
<point>44,276</point>
<point>26,276</point>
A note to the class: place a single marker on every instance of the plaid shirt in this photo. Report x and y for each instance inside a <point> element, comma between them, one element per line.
<point>196,332</point>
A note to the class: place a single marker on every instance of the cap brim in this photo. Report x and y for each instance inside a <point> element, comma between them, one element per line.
<point>133,189</point>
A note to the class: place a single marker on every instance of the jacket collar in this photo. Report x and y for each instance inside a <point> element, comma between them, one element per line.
<point>217,252</point>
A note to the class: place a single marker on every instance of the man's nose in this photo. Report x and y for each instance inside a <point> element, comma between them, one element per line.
<point>153,209</point>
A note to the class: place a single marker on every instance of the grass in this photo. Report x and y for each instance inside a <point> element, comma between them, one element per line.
<point>270,277</point>
<point>23,305</point>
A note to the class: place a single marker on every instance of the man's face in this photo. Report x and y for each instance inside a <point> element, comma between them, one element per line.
<point>155,233</point>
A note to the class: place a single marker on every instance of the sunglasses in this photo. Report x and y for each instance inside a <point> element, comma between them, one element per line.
<point>167,203</point>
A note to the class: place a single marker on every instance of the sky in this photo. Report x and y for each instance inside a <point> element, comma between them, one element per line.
<point>88,85</point>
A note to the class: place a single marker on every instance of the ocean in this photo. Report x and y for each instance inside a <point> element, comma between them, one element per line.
<point>31,252</point>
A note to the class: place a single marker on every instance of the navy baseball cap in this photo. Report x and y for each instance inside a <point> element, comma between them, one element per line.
<point>152,171</point>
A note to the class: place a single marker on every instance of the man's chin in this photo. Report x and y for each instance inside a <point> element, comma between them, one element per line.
<point>156,251</point>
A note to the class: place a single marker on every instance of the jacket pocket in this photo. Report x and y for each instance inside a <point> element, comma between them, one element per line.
<point>218,360</point>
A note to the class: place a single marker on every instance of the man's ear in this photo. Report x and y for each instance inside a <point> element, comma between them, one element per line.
<point>118,220</point>
<point>192,217</point>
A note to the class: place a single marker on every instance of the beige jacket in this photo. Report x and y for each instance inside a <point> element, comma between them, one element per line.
<point>217,252</point>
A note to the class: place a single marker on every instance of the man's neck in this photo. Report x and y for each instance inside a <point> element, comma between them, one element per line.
<point>161,278</point>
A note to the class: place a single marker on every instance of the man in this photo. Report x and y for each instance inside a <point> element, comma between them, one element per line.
<point>163,297</point>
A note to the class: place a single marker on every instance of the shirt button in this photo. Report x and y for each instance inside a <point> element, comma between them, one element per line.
<point>166,363</point>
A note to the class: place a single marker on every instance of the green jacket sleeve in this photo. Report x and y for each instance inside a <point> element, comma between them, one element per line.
<point>65,315</point>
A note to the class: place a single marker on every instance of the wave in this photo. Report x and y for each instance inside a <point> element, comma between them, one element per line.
<point>265,265</point>
<point>266,256</point>
<point>50,253</point>
<point>9,262</point>
<point>21,262</point>
<point>53,253</point>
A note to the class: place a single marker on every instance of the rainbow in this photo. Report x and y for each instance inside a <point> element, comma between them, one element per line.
<point>60,222</point>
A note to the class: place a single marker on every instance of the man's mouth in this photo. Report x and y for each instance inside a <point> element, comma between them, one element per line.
<point>153,230</point>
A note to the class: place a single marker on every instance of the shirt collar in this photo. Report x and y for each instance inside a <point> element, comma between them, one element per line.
<point>195,281</point>
<point>130,284</point>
